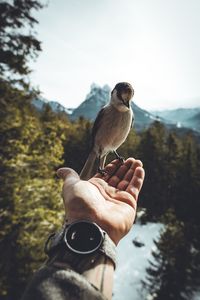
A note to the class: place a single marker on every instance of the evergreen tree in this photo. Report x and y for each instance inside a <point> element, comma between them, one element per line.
<point>169,274</point>
<point>174,150</point>
<point>152,152</point>
<point>30,150</point>
<point>175,271</point>
<point>17,39</point>
<point>187,202</point>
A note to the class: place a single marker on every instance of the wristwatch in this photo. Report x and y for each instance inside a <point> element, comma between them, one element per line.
<point>79,244</point>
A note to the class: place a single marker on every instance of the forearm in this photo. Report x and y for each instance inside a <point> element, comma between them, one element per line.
<point>96,268</point>
<point>58,283</point>
<point>75,276</point>
<point>101,276</point>
<point>58,280</point>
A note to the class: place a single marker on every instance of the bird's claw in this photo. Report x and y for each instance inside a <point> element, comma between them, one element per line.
<point>102,171</point>
<point>121,159</point>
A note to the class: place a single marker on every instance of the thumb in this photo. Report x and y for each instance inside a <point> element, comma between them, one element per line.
<point>68,175</point>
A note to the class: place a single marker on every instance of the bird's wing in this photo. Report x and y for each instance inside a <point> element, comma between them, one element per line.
<point>97,124</point>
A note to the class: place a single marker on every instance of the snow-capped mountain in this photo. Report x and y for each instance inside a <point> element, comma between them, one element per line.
<point>93,102</point>
<point>179,119</point>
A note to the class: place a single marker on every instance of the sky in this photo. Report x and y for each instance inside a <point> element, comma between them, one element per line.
<point>153,44</point>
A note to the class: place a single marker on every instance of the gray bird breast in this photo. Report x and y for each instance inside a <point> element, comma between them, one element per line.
<point>113,130</point>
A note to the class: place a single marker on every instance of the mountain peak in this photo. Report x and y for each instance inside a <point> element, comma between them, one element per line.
<point>98,93</point>
<point>94,101</point>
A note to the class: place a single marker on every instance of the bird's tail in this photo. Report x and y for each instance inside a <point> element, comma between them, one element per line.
<point>91,166</point>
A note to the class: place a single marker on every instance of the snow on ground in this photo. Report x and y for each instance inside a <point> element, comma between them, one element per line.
<point>196,296</point>
<point>132,261</point>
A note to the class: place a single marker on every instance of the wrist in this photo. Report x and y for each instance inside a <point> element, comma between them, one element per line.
<point>97,267</point>
<point>80,245</point>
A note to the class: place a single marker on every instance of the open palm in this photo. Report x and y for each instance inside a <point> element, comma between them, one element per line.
<point>109,200</point>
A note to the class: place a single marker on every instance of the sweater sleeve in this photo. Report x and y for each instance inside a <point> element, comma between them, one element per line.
<point>57,283</point>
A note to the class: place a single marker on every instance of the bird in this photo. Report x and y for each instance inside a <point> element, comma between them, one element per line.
<point>111,128</point>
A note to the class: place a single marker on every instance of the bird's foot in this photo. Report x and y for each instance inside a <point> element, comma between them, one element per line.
<point>102,171</point>
<point>120,158</point>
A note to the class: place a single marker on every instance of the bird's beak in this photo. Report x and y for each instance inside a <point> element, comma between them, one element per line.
<point>127,104</point>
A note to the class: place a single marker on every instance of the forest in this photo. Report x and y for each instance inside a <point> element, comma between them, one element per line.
<point>34,144</point>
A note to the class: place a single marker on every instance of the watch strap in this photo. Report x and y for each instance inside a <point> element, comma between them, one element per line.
<point>61,256</point>
<point>108,248</point>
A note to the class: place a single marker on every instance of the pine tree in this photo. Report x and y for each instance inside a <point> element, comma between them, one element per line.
<point>175,271</point>
<point>168,277</point>
<point>174,149</point>
<point>152,152</point>
<point>17,40</point>
<point>31,150</point>
<point>188,187</point>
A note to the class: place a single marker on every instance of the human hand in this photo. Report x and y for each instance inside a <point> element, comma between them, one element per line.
<point>110,200</point>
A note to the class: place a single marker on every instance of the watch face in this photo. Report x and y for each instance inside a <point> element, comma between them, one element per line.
<point>83,237</point>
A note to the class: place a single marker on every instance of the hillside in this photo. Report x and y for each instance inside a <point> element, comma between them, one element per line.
<point>183,117</point>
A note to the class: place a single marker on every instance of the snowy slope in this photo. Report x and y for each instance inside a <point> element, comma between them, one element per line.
<point>132,261</point>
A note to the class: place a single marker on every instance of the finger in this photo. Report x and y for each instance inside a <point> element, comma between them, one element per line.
<point>120,172</point>
<point>68,175</point>
<point>123,184</point>
<point>136,182</point>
